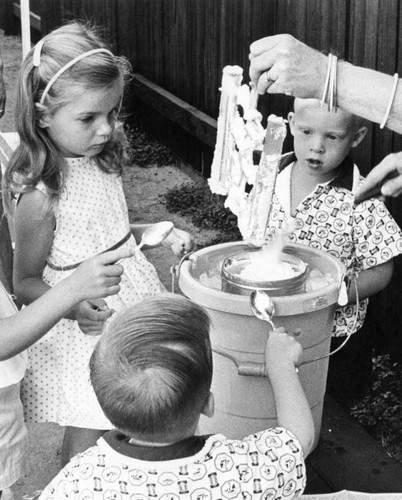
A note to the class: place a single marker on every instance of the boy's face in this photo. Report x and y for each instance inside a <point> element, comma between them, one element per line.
<point>322,139</point>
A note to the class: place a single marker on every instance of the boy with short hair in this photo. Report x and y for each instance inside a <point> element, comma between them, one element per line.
<point>151,372</point>
<point>314,198</point>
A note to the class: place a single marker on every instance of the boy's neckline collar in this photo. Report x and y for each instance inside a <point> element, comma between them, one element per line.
<point>148,444</point>
<point>344,179</point>
<point>120,442</point>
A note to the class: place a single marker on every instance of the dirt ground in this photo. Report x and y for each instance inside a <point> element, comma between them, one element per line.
<point>144,188</point>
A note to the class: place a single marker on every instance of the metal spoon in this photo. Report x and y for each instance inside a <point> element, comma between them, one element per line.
<point>155,234</point>
<point>262,306</point>
<point>152,236</point>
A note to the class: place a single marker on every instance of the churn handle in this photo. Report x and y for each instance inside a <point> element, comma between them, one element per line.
<point>247,369</point>
<point>175,269</point>
<point>347,336</point>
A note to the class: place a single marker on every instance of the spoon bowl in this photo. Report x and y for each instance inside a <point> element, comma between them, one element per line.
<point>155,234</point>
<point>262,306</point>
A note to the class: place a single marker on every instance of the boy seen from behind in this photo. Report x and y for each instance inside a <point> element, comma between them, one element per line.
<point>152,372</point>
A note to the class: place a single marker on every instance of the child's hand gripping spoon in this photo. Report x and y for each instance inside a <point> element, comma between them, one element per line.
<point>263,308</point>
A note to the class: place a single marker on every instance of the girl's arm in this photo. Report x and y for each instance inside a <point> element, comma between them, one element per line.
<point>371,281</point>
<point>34,227</point>
<point>96,277</point>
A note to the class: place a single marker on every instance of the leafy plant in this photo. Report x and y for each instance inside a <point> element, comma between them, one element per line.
<point>205,209</point>
<point>144,150</point>
<point>380,413</point>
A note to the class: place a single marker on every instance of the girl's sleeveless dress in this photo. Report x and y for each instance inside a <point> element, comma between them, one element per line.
<point>91,217</point>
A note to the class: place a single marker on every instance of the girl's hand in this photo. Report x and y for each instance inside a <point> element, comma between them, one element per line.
<point>91,316</point>
<point>98,276</point>
<point>180,242</point>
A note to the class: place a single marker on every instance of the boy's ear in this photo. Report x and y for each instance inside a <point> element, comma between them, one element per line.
<point>41,115</point>
<point>209,406</point>
<point>359,136</point>
<point>290,120</point>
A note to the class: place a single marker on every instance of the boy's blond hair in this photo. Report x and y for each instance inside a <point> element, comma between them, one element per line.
<point>356,121</point>
<point>152,369</point>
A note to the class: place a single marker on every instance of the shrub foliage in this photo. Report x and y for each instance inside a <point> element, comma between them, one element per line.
<point>205,210</point>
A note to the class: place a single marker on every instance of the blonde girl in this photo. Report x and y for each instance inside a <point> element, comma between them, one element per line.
<point>64,183</point>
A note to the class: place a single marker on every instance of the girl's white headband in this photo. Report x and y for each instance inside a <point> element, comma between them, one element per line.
<point>36,63</point>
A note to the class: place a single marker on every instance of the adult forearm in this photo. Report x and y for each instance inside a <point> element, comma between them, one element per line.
<point>366,93</point>
<point>283,64</point>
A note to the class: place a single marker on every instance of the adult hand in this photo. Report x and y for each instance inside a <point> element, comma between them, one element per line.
<point>385,179</point>
<point>280,64</point>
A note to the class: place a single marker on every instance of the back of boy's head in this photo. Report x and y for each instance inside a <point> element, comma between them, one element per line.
<point>152,369</point>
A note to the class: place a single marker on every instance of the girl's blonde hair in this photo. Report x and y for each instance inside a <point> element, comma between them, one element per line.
<point>37,158</point>
<point>152,369</point>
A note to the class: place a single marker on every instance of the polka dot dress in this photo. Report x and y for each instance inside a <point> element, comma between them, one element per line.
<point>91,217</point>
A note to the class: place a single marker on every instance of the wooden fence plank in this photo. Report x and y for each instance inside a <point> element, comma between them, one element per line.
<point>177,110</point>
<point>35,19</point>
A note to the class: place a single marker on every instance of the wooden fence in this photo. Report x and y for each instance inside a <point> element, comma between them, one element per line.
<point>179,47</point>
<point>182,46</point>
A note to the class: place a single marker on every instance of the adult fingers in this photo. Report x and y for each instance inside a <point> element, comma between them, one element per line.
<point>265,81</point>
<point>264,53</point>
<point>393,187</point>
<point>385,178</point>
<point>268,43</point>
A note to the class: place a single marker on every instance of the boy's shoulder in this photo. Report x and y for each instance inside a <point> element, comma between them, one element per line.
<point>264,456</point>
